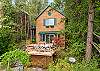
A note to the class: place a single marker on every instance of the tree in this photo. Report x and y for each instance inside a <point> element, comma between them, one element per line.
<point>32,8</point>
<point>97,18</point>
<point>7,31</point>
<point>76,26</point>
<point>90,30</point>
<point>7,40</point>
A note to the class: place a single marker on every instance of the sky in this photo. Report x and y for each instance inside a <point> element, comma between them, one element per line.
<point>50,1</point>
<point>13,2</point>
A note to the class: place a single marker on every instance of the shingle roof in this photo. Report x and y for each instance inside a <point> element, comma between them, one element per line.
<point>46,9</point>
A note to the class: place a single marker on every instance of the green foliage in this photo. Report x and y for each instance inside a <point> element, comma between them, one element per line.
<point>76,26</point>
<point>12,31</point>
<point>86,66</point>
<point>61,65</point>
<point>13,56</point>
<point>8,12</point>
<point>7,40</point>
<point>97,18</point>
<point>77,50</point>
<point>31,7</point>
<point>64,65</point>
<point>76,13</point>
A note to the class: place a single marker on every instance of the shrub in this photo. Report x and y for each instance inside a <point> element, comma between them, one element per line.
<point>86,66</point>
<point>61,65</point>
<point>64,65</point>
<point>11,57</point>
<point>58,41</point>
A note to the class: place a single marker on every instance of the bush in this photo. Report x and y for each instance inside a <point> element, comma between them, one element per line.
<point>61,65</point>
<point>12,57</point>
<point>86,66</point>
<point>64,65</point>
<point>58,41</point>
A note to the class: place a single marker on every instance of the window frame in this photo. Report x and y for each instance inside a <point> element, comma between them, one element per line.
<point>49,23</point>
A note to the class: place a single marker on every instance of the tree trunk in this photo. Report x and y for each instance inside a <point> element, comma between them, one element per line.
<point>30,32</point>
<point>21,26</point>
<point>90,30</point>
<point>25,28</point>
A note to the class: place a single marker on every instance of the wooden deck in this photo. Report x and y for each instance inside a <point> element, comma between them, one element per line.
<point>34,52</point>
<point>45,50</point>
<point>41,56</point>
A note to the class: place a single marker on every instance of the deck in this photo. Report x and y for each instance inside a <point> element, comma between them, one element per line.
<point>40,49</point>
<point>41,55</point>
<point>34,52</point>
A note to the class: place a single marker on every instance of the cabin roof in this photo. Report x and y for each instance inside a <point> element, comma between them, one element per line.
<point>45,10</point>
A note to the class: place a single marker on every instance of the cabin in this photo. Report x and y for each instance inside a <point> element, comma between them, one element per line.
<point>48,25</point>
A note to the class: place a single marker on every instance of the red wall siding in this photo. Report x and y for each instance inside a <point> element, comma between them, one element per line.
<point>40,22</point>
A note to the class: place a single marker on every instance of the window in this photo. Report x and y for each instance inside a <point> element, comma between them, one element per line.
<point>49,22</point>
<point>49,13</point>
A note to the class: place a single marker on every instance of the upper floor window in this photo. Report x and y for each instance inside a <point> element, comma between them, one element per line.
<point>50,22</point>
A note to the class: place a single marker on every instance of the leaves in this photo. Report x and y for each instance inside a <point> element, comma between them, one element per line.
<point>13,56</point>
<point>7,40</point>
<point>76,27</point>
<point>61,65</point>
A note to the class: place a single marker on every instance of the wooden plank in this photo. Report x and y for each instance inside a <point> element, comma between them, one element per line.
<point>41,53</point>
<point>41,61</point>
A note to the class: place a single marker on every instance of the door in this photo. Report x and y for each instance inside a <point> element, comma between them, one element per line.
<point>49,37</point>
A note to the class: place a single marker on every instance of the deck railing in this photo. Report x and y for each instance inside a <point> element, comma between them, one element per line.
<point>42,47</point>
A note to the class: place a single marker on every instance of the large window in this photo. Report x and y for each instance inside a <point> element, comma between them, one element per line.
<point>49,22</point>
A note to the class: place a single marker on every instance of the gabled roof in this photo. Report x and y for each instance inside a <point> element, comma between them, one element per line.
<point>45,10</point>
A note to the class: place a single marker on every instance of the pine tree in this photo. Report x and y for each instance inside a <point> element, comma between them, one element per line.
<point>90,30</point>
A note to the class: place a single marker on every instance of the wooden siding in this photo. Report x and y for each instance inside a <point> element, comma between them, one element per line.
<point>40,22</point>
